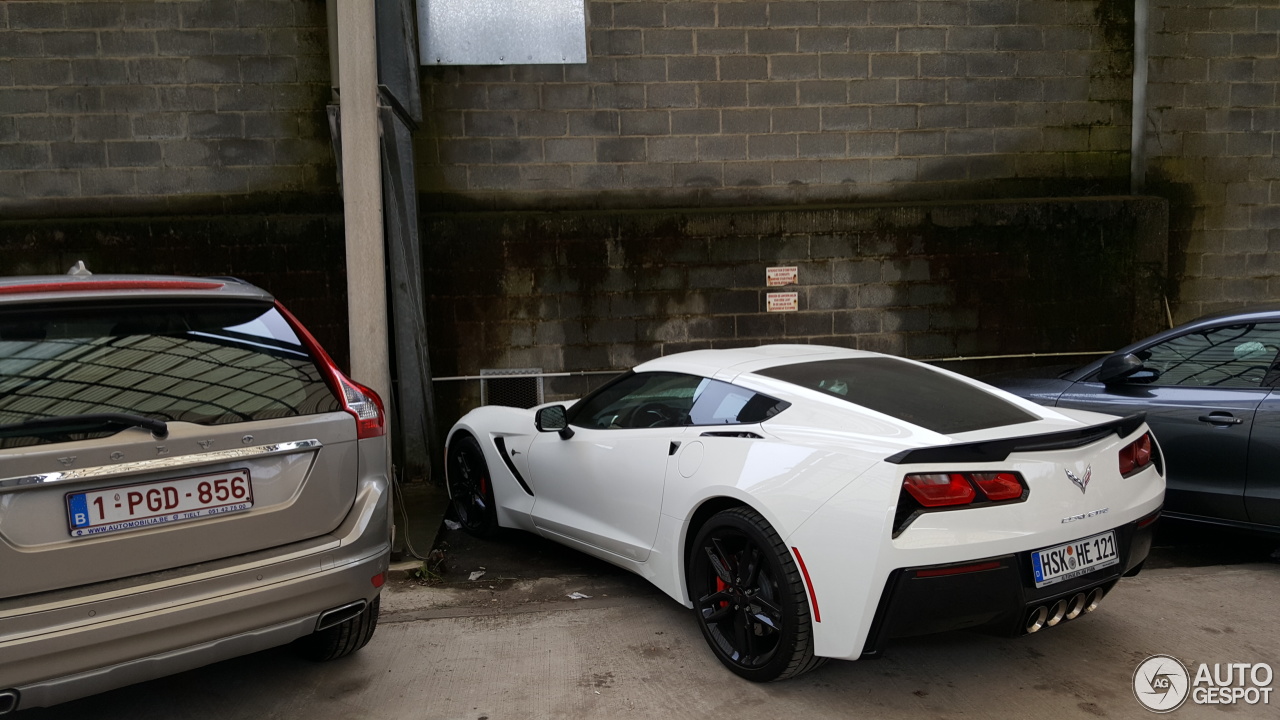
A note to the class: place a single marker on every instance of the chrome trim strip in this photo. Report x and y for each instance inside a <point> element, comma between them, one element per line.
<point>161,463</point>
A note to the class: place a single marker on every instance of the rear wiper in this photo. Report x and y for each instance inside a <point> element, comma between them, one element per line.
<point>83,423</point>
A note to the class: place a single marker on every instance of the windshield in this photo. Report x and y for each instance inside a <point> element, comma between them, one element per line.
<point>210,364</point>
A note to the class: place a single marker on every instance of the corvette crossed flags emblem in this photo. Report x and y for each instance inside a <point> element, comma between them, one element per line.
<point>1080,482</point>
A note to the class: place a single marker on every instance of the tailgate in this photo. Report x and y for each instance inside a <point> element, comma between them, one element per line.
<point>302,479</point>
<point>220,438</point>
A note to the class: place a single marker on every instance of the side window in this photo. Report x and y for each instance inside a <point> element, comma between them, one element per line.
<point>644,400</point>
<point>719,403</point>
<point>1238,356</point>
<point>654,400</point>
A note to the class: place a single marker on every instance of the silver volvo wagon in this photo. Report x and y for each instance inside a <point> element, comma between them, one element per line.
<point>185,477</point>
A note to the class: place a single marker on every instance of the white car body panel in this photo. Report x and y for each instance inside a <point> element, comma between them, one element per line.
<point>817,473</point>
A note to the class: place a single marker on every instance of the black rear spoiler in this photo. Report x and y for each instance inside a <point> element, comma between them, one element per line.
<point>999,449</point>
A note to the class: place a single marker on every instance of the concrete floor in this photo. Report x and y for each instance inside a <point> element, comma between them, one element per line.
<point>511,645</point>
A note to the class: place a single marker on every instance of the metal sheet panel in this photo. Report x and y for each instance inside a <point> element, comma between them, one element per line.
<point>502,32</point>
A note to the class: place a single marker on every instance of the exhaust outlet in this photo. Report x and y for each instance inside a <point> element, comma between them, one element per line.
<point>339,615</point>
<point>1037,619</point>
<point>1056,613</point>
<point>8,701</point>
<point>1095,597</point>
<point>1076,606</point>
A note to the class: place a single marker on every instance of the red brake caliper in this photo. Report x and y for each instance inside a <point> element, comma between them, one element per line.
<point>721,586</point>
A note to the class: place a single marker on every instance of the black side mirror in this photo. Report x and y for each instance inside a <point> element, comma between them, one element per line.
<point>553,419</point>
<point>1127,367</point>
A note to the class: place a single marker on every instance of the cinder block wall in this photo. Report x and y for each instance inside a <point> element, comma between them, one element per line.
<point>600,290</point>
<point>173,137</point>
<point>297,256</point>
<point>1212,141</point>
<point>746,101</point>
<point>111,107</point>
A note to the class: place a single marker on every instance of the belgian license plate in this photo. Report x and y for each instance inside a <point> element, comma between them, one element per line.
<point>1063,562</point>
<point>130,507</point>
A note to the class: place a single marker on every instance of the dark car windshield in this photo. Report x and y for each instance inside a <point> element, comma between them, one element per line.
<point>919,395</point>
<point>206,363</point>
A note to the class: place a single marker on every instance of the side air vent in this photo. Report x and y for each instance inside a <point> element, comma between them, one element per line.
<point>738,434</point>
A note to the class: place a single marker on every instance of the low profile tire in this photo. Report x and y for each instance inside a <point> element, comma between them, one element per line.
<point>471,488</point>
<point>343,639</point>
<point>749,598</point>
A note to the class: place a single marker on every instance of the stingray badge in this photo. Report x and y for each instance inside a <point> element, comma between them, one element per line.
<point>1081,482</point>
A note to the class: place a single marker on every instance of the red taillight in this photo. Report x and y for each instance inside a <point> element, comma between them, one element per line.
<point>97,285</point>
<point>1136,455</point>
<point>999,486</point>
<point>939,489</point>
<point>363,403</point>
<point>957,488</point>
<point>1142,450</point>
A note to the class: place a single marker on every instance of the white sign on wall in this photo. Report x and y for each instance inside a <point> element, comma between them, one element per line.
<point>782,302</point>
<point>779,276</point>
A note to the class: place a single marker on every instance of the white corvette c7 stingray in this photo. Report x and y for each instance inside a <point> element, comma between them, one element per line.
<point>812,502</point>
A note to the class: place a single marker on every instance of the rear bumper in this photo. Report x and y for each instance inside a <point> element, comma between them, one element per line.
<point>69,648</point>
<point>1001,599</point>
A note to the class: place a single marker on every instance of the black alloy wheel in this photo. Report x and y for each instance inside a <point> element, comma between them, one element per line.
<point>471,487</point>
<point>749,598</point>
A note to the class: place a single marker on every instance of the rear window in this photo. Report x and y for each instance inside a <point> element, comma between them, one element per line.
<point>911,393</point>
<point>206,364</point>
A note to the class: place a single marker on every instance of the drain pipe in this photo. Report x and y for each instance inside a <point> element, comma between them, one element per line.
<point>1138,131</point>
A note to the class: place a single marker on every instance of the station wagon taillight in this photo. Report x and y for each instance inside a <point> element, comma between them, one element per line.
<point>1136,455</point>
<point>363,403</point>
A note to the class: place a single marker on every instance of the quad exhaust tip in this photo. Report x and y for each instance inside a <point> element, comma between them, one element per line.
<point>1064,609</point>
<point>1037,619</point>
<point>1056,613</point>
<point>8,701</point>
<point>1076,606</point>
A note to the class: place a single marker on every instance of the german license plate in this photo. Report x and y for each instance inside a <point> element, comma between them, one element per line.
<point>1063,562</point>
<point>130,507</point>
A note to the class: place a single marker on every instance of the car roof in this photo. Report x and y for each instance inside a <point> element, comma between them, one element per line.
<point>59,288</point>
<point>1245,313</point>
<point>729,363</point>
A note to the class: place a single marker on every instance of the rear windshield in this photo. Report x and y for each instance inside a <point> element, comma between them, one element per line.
<point>911,393</point>
<point>207,364</point>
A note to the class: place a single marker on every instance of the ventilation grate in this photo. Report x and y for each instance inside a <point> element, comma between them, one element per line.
<point>519,387</point>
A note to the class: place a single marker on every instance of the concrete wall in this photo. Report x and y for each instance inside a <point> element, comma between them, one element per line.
<point>747,101</point>
<point>110,107</point>
<point>1212,140</point>
<point>597,290</point>
<point>173,137</point>
<point>298,256</point>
